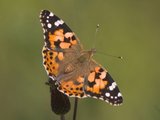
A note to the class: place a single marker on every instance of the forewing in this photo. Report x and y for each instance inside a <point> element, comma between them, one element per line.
<point>57,34</point>
<point>99,84</point>
<point>60,42</point>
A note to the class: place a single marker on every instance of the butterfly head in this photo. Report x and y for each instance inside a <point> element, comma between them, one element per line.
<point>86,55</point>
<point>93,50</point>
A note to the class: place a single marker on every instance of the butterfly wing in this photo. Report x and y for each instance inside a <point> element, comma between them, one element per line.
<point>93,81</point>
<point>73,87</point>
<point>57,34</point>
<point>99,84</point>
<point>60,42</point>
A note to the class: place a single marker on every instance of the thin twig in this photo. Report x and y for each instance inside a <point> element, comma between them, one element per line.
<point>75,108</point>
<point>62,117</point>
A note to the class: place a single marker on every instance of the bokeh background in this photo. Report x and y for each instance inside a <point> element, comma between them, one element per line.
<point>128,28</point>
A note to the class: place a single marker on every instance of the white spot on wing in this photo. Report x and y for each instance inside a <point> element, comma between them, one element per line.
<point>42,24</point>
<point>49,25</point>
<point>44,30</point>
<point>112,87</point>
<point>52,78</point>
<point>106,101</point>
<point>114,84</point>
<point>119,94</point>
<point>107,94</point>
<point>94,97</point>
<point>88,95</point>
<point>51,14</point>
<point>44,36</point>
<point>101,98</point>
<point>59,22</point>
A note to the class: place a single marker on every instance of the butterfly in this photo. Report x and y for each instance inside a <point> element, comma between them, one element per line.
<point>71,67</point>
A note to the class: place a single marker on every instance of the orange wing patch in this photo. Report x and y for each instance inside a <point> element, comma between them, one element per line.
<point>57,35</point>
<point>49,61</point>
<point>97,69</point>
<point>60,56</point>
<point>61,39</point>
<point>99,85</point>
<point>65,45</point>
<point>95,81</point>
<point>91,77</point>
<point>72,88</point>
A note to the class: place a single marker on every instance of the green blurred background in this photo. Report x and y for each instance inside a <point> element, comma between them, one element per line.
<point>129,28</point>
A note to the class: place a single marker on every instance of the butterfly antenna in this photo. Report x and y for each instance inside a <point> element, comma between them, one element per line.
<point>95,35</point>
<point>118,57</point>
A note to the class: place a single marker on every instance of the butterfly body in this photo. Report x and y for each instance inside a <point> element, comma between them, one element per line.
<point>72,67</point>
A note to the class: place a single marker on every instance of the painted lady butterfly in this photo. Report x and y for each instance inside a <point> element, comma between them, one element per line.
<point>72,67</point>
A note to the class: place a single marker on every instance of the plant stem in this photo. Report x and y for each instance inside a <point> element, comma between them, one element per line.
<point>75,108</point>
<point>62,117</point>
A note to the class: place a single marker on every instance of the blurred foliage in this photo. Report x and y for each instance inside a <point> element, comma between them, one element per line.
<point>129,28</point>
